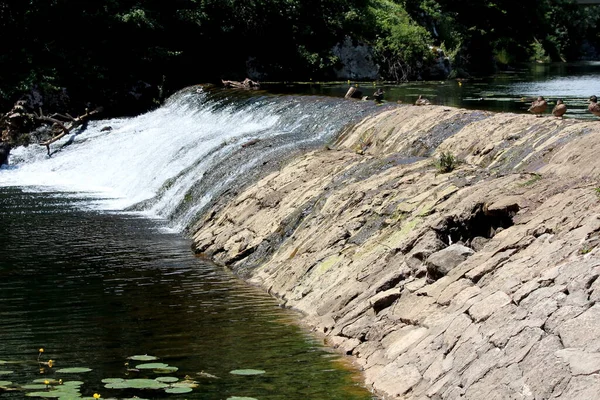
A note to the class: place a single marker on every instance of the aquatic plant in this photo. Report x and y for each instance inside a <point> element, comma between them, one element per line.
<point>47,387</point>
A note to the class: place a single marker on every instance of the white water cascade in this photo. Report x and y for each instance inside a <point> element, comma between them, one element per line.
<point>171,162</point>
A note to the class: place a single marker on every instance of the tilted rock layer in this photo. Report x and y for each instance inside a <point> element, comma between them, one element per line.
<point>479,283</point>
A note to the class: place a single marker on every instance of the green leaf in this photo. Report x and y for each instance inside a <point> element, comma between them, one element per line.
<point>52,394</point>
<point>5,383</point>
<point>71,396</point>
<point>178,390</point>
<point>74,370</point>
<point>34,386</point>
<point>144,357</point>
<point>187,384</point>
<point>6,372</point>
<point>152,366</point>
<point>167,379</point>
<point>241,398</point>
<point>72,383</point>
<point>247,372</point>
<point>112,380</point>
<point>137,384</point>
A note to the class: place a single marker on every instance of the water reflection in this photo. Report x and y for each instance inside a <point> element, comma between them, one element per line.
<point>94,288</point>
<point>507,91</point>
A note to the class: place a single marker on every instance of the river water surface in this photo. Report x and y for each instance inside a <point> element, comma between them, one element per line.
<point>93,288</point>
<point>507,91</point>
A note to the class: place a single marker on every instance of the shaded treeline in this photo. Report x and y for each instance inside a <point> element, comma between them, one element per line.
<point>128,54</point>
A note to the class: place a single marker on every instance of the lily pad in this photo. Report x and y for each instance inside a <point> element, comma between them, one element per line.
<point>73,396</point>
<point>112,380</point>
<point>50,381</point>
<point>74,370</point>
<point>6,372</point>
<point>241,398</point>
<point>179,390</point>
<point>167,379</point>
<point>53,394</point>
<point>35,386</point>
<point>5,383</point>
<point>144,357</point>
<point>152,366</point>
<point>137,384</point>
<point>72,383</point>
<point>188,384</point>
<point>247,372</point>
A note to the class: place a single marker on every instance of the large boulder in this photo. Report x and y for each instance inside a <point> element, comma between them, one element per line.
<point>443,261</point>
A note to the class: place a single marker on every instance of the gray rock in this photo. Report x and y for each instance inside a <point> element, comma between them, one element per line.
<point>443,261</point>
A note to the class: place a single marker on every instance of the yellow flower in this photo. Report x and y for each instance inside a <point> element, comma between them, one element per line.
<point>46,382</point>
<point>41,350</point>
<point>96,396</point>
<point>50,362</point>
<point>60,381</point>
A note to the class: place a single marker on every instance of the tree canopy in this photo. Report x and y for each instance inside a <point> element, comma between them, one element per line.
<point>111,51</point>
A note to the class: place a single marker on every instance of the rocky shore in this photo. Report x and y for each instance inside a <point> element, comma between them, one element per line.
<point>478,283</point>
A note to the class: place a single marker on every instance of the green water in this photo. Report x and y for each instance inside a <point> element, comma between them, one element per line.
<point>93,288</point>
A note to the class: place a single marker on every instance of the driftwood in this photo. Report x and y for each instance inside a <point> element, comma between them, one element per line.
<point>246,84</point>
<point>66,126</point>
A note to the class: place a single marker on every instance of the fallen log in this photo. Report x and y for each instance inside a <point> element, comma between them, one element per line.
<point>246,84</point>
<point>67,126</point>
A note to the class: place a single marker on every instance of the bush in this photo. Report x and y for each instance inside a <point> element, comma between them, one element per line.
<point>447,162</point>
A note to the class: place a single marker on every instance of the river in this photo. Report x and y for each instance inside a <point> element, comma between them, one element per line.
<point>96,267</point>
<point>506,91</point>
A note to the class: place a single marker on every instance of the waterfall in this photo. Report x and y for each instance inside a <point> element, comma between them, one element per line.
<point>174,161</point>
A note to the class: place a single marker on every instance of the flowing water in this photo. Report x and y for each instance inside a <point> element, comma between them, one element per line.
<point>95,266</point>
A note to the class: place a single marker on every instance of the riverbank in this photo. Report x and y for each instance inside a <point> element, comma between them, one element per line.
<point>479,283</point>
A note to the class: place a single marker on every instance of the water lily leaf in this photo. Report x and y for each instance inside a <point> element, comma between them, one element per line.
<point>34,386</point>
<point>6,372</point>
<point>43,380</point>
<point>74,396</point>
<point>5,383</point>
<point>137,384</point>
<point>112,380</point>
<point>167,379</point>
<point>52,394</point>
<point>241,398</point>
<point>117,385</point>
<point>144,357</point>
<point>178,390</point>
<point>166,370</point>
<point>188,384</point>
<point>74,370</point>
<point>72,383</point>
<point>247,372</point>
<point>152,366</point>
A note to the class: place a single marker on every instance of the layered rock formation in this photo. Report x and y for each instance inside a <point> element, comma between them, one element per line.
<point>480,283</point>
